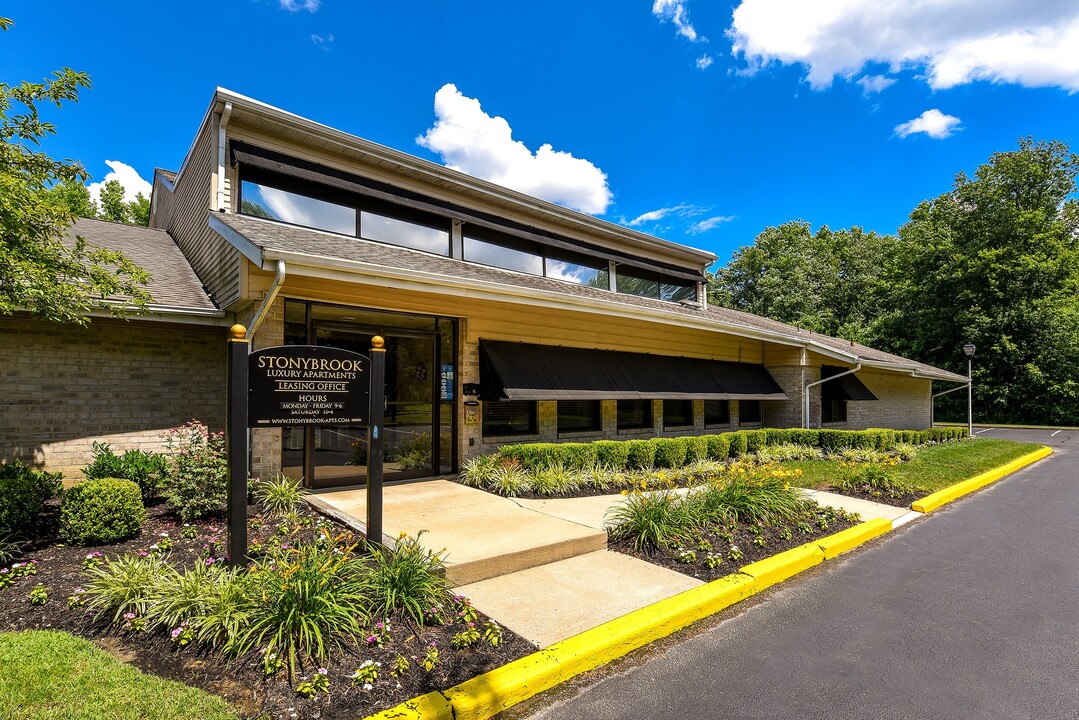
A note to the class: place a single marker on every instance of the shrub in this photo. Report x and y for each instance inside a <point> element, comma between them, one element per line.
<point>23,494</point>
<point>409,578</point>
<point>280,495</point>
<point>198,484</point>
<point>123,585</point>
<point>478,472</point>
<point>575,456</point>
<point>304,600</point>
<point>509,479</point>
<point>641,454</point>
<point>612,453</point>
<point>739,445</point>
<point>719,446</point>
<point>531,456</point>
<point>649,520</point>
<point>670,452</point>
<point>763,495</point>
<point>554,480</point>
<point>785,452</point>
<point>696,448</point>
<point>755,440</point>
<point>877,481</point>
<point>148,470</point>
<point>10,548</point>
<point>106,510</point>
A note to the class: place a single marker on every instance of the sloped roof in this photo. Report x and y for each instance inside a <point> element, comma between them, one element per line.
<point>174,285</point>
<point>266,239</point>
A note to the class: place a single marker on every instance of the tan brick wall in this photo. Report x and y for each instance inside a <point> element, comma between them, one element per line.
<point>903,404</point>
<point>124,383</point>
<point>266,442</point>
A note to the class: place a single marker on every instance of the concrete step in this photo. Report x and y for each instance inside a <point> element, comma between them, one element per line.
<point>480,535</point>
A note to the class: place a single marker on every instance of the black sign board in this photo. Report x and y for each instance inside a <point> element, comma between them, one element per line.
<point>308,385</point>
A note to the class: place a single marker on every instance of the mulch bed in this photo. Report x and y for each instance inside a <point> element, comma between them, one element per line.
<point>242,682</point>
<point>741,536</point>
<point>895,499</point>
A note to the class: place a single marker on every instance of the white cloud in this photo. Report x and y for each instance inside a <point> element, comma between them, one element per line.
<point>933,123</point>
<point>297,5</point>
<point>709,224</point>
<point>872,84</point>
<point>683,210</point>
<point>704,61</point>
<point>674,11</point>
<point>470,140</point>
<point>128,176</point>
<point>322,42</point>
<point>953,42</point>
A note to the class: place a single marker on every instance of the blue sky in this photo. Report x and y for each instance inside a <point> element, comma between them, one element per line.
<point>701,122</point>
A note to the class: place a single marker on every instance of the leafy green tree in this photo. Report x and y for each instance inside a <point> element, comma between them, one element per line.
<point>42,270</point>
<point>111,200</point>
<point>995,262</point>
<point>75,196</point>
<point>826,281</point>
<point>138,210</point>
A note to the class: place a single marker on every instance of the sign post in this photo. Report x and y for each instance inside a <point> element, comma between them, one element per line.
<point>375,433</point>
<point>236,445</point>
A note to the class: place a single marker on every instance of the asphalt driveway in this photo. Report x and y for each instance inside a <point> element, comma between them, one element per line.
<point>971,612</point>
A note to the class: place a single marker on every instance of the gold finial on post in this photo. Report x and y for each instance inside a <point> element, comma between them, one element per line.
<point>237,333</point>
<point>377,342</point>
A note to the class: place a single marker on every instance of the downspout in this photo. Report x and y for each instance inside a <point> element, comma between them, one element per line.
<point>805,392</point>
<point>267,301</point>
<point>932,398</point>
<point>221,125</point>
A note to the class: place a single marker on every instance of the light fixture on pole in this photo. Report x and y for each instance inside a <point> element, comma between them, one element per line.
<point>969,349</point>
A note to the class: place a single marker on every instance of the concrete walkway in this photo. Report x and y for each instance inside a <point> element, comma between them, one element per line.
<point>540,567</point>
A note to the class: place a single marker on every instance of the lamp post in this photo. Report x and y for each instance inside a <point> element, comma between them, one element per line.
<point>969,349</point>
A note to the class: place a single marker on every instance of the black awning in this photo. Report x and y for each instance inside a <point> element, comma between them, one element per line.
<point>847,387</point>
<point>522,371</point>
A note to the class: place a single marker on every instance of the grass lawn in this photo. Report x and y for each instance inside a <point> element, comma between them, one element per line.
<point>59,676</point>
<point>935,466</point>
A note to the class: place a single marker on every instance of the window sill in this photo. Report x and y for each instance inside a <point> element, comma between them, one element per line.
<point>580,434</point>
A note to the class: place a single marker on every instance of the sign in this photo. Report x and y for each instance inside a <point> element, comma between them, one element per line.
<point>308,385</point>
<point>445,382</point>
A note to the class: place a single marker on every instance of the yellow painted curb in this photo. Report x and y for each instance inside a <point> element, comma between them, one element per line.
<point>843,541</point>
<point>779,567</point>
<point>942,497</point>
<point>492,692</point>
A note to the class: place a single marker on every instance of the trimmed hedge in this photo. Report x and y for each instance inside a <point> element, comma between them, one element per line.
<point>97,512</point>
<point>23,494</point>
<point>679,451</point>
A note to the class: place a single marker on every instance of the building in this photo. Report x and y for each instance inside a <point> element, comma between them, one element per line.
<point>506,318</point>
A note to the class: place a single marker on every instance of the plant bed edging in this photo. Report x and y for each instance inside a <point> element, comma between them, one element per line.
<point>942,497</point>
<point>488,694</point>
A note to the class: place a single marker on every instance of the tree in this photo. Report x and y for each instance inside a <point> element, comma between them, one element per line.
<point>111,201</point>
<point>42,270</point>
<point>827,281</point>
<point>995,262</point>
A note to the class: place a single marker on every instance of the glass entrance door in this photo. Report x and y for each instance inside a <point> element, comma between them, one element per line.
<point>419,408</point>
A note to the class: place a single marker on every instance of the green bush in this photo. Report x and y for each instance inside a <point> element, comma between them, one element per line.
<point>124,585</point>
<point>755,440</point>
<point>577,455</point>
<point>198,483</point>
<point>148,470</point>
<point>719,446</point>
<point>670,452</point>
<point>696,448</point>
<point>641,454</point>
<point>409,578</point>
<point>23,494</point>
<point>280,495</point>
<point>648,520</point>
<point>530,456</point>
<point>739,444</point>
<point>106,510</point>
<point>792,436</point>
<point>613,454</point>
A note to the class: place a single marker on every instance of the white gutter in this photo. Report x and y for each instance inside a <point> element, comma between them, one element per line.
<point>805,392</point>
<point>222,123</point>
<point>267,301</point>
<point>934,396</point>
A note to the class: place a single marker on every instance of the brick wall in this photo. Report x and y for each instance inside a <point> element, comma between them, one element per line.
<point>266,442</point>
<point>903,404</point>
<point>124,383</point>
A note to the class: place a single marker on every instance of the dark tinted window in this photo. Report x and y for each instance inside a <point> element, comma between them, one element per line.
<point>503,256</point>
<point>402,232</point>
<point>677,413</point>
<point>579,415</point>
<point>717,412</point>
<point>833,411</point>
<point>634,414</point>
<point>749,411</point>
<point>509,417</point>
<point>578,269</point>
<point>290,207</point>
